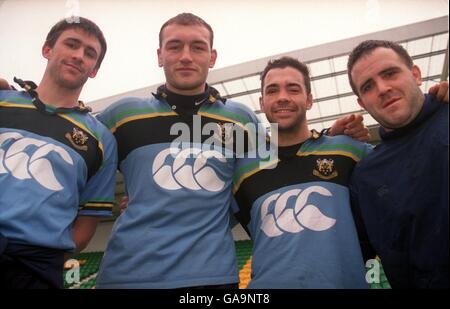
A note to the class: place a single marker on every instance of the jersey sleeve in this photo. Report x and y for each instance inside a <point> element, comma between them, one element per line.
<point>97,198</point>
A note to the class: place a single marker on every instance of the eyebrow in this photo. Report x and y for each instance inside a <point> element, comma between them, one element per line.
<point>177,41</point>
<point>289,85</point>
<point>396,68</point>
<point>271,86</point>
<point>294,84</point>
<point>275,85</point>
<point>78,41</point>
<point>364,84</point>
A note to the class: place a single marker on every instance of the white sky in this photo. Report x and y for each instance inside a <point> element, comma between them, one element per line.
<point>244,30</point>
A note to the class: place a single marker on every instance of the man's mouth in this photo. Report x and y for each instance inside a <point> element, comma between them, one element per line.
<point>185,70</point>
<point>390,102</point>
<point>283,110</point>
<point>73,66</point>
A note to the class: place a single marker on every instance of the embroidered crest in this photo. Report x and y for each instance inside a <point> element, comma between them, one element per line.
<point>325,169</point>
<point>78,139</point>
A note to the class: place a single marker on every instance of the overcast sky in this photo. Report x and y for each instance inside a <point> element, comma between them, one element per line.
<point>244,30</point>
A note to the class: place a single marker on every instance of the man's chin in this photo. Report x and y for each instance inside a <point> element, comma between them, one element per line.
<point>72,83</point>
<point>187,85</point>
<point>286,127</point>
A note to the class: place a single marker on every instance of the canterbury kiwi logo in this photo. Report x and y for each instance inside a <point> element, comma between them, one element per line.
<point>281,219</point>
<point>179,174</point>
<point>20,165</point>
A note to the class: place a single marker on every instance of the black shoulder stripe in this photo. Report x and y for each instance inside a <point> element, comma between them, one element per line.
<point>148,131</point>
<point>57,128</point>
<point>292,171</point>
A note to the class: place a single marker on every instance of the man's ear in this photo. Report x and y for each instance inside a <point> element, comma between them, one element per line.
<point>93,73</point>
<point>46,51</point>
<point>360,102</point>
<point>417,74</point>
<point>261,104</point>
<point>212,62</point>
<point>160,62</point>
<point>309,102</point>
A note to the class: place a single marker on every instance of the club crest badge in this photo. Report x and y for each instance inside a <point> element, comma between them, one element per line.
<point>78,139</point>
<point>325,169</point>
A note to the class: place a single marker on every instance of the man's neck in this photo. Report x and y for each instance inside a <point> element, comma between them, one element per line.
<point>52,94</point>
<point>289,138</point>
<point>187,92</point>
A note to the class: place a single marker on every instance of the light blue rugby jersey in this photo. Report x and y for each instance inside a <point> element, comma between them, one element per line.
<point>175,231</point>
<point>53,168</point>
<point>297,210</point>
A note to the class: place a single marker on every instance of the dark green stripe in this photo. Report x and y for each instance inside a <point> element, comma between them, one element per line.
<point>16,100</point>
<point>220,112</point>
<point>134,112</point>
<point>344,147</point>
<point>248,168</point>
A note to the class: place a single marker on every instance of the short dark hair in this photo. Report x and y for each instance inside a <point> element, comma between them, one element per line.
<point>187,19</point>
<point>78,23</point>
<point>284,62</point>
<point>367,47</point>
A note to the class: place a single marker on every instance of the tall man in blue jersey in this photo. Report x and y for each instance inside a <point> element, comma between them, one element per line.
<point>175,231</point>
<point>402,186</point>
<point>57,162</point>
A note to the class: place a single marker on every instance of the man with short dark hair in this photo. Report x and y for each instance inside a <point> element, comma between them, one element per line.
<point>175,230</point>
<point>297,208</point>
<point>57,162</point>
<point>401,188</point>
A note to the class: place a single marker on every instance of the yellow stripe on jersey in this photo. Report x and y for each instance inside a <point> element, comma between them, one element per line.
<point>329,152</point>
<point>252,172</point>
<point>137,117</point>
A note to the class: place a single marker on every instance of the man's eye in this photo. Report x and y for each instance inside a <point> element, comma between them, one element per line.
<point>90,55</point>
<point>389,73</point>
<point>199,48</point>
<point>366,88</point>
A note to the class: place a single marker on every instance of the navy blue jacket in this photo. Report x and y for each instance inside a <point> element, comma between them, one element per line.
<point>401,189</point>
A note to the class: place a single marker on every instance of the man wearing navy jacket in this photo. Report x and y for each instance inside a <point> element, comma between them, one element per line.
<point>401,188</point>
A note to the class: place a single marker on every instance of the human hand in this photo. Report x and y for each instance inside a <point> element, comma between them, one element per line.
<point>440,91</point>
<point>123,204</point>
<point>351,125</point>
<point>4,85</point>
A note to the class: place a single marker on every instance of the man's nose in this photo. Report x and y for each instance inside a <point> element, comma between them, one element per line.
<point>383,87</point>
<point>186,54</point>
